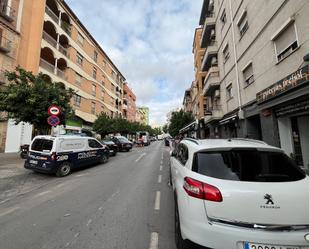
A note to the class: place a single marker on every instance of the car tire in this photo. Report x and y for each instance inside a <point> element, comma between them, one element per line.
<point>64,169</point>
<point>103,159</point>
<point>179,241</point>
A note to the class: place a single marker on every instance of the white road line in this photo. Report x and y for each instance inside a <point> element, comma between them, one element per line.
<point>9,211</point>
<point>43,193</point>
<point>1,202</point>
<point>89,222</point>
<point>80,175</point>
<point>160,179</point>
<point>161,168</point>
<point>154,241</point>
<point>157,201</point>
<point>161,162</point>
<point>140,157</point>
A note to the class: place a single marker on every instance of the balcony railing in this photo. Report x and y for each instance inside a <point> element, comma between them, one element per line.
<point>7,12</point>
<point>52,14</point>
<point>63,50</point>
<point>60,73</point>
<point>46,65</point>
<point>5,44</point>
<point>49,39</point>
<point>66,27</point>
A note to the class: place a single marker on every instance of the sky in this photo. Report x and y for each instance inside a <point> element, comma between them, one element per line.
<point>150,42</point>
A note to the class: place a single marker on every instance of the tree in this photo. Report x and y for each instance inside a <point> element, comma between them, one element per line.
<point>179,120</point>
<point>165,128</point>
<point>103,125</point>
<point>28,96</point>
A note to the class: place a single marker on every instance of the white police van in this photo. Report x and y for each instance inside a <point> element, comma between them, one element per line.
<point>59,155</point>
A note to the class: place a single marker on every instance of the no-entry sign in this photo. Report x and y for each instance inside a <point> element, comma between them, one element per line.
<point>54,110</point>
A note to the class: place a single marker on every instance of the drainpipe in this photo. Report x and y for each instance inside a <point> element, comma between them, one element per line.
<point>240,114</point>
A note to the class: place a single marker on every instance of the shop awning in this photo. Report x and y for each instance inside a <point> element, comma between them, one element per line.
<point>86,116</point>
<point>228,119</point>
<point>189,127</point>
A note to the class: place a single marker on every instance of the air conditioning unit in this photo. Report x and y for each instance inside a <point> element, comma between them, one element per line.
<point>212,35</point>
<point>214,61</point>
<point>217,94</point>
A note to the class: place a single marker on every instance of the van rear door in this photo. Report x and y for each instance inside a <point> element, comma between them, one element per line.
<point>40,152</point>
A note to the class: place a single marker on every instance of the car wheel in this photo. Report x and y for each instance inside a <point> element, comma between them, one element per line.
<point>127,150</point>
<point>180,243</point>
<point>104,159</point>
<point>64,169</point>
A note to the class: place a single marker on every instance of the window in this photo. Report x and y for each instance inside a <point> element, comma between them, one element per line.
<point>226,53</point>
<point>94,73</point>
<point>247,165</point>
<point>78,79</point>
<point>93,107</point>
<point>94,88</point>
<point>113,75</point>
<point>104,64</point>
<point>112,88</point>
<point>242,23</point>
<point>77,100</point>
<point>43,145</point>
<point>248,74</point>
<point>79,59</point>
<point>80,38</point>
<point>102,94</point>
<point>229,91</point>
<point>182,153</point>
<point>223,17</point>
<point>95,56</point>
<point>94,144</point>
<point>286,42</point>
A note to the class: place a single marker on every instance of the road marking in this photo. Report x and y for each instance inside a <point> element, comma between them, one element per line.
<point>161,168</point>
<point>160,179</point>
<point>80,175</point>
<point>1,202</point>
<point>9,211</point>
<point>154,241</point>
<point>161,162</point>
<point>140,157</point>
<point>157,201</point>
<point>76,235</point>
<point>89,222</point>
<point>43,193</point>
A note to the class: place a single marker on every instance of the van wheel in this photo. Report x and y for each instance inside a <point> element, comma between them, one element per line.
<point>180,243</point>
<point>64,169</point>
<point>104,159</point>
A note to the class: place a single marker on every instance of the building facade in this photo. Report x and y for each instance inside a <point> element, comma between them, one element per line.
<point>142,115</point>
<point>129,103</point>
<point>54,42</point>
<point>256,64</point>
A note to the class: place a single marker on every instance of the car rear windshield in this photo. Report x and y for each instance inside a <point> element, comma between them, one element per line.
<point>43,145</point>
<point>123,139</point>
<point>247,165</point>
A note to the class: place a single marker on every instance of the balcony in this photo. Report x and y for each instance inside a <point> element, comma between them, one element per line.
<point>212,81</point>
<point>7,12</point>
<point>52,15</point>
<point>61,73</point>
<point>210,57</point>
<point>46,65</point>
<point>125,107</point>
<point>208,29</point>
<point>5,45</point>
<point>66,27</point>
<point>63,50</point>
<point>207,8</point>
<point>49,39</point>
<point>213,113</point>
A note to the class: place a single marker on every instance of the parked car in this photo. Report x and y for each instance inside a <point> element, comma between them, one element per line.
<point>59,155</point>
<point>238,193</point>
<point>123,143</point>
<point>113,148</point>
<point>144,136</point>
<point>167,141</point>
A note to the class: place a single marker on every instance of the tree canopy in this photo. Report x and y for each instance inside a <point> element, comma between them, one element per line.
<point>179,120</point>
<point>27,97</point>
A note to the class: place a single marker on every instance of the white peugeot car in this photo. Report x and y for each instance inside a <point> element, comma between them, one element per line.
<point>238,194</point>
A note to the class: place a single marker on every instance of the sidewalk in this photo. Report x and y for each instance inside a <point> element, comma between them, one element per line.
<point>11,165</point>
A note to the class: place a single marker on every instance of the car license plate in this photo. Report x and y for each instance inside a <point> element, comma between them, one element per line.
<point>33,162</point>
<point>263,246</point>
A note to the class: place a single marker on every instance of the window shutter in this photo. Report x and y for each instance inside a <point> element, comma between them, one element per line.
<point>285,39</point>
<point>248,72</point>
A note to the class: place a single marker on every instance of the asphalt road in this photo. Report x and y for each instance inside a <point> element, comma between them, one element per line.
<point>123,204</point>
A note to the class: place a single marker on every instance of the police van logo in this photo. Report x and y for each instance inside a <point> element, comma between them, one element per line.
<point>86,154</point>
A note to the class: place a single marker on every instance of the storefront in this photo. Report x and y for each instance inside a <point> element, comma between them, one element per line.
<point>284,115</point>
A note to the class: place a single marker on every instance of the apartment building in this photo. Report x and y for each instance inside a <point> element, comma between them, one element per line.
<point>142,115</point>
<point>53,41</point>
<point>256,64</point>
<point>129,103</point>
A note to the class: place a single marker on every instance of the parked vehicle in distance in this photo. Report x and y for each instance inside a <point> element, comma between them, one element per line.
<point>59,155</point>
<point>238,193</point>
<point>145,137</point>
<point>167,141</point>
<point>113,148</point>
<point>123,143</point>
<point>24,149</point>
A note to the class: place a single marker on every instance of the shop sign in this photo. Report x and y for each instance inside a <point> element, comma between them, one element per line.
<point>293,108</point>
<point>293,80</point>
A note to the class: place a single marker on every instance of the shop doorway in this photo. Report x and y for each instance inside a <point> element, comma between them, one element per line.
<point>303,127</point>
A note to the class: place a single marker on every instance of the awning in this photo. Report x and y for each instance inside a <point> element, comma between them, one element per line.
<point>228,119</point>
<point>86,116</point>
<point>190,126</point>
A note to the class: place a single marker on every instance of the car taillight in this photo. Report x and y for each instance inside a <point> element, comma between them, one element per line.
<point>53,156</point>
<point>202,190</point>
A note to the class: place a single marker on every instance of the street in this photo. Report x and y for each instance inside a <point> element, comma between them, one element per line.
<point>125,203</point>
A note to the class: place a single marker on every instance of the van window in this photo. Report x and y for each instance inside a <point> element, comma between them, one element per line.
<point>75,144</point>
<point>40,144</point>
<point>94,144</point>
<point>247,165</point>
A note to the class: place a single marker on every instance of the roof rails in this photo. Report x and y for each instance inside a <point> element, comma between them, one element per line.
<point>191,140</point>
<point>248,140</point>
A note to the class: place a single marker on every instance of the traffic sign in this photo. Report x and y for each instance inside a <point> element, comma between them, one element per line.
<point>54,110</point>
<point>53,120</point>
